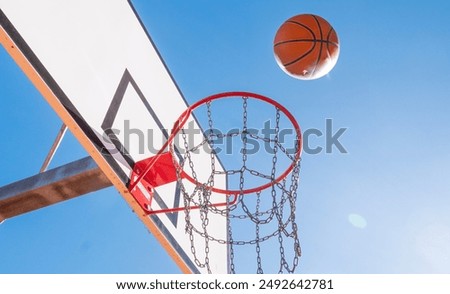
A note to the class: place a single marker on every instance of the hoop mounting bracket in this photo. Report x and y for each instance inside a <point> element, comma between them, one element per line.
<point>161,170</point>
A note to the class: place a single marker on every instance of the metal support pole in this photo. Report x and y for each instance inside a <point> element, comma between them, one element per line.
<point>53,186</point>
<point>56,143</point>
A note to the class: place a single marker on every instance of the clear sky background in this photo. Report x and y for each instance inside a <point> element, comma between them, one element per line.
<point>381,208</point>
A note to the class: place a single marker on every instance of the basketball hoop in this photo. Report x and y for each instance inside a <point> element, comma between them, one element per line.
<point>261,171</point>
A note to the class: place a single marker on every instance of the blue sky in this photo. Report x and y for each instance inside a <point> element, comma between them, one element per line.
<point>381,208</point>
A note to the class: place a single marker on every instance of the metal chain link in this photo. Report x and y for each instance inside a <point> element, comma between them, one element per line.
<point>259,269</point>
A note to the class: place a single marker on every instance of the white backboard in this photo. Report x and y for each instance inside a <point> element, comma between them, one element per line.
<point>95,64</point>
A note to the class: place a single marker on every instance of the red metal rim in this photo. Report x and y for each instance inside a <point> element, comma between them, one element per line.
<point>226,95</point>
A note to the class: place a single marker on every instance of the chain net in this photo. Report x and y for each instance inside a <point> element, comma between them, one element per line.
<point>259,222</point>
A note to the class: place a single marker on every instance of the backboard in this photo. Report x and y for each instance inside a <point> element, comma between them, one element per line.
<point>96,65</point>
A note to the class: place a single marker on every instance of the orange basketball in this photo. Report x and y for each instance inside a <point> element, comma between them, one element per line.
<point>306,47</point>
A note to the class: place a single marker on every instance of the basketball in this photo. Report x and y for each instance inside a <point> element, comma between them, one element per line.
<point>306,47</point>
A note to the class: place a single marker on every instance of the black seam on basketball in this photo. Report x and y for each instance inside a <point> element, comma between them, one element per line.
<point>328,40</point>
<point>304,40</point>
<point>303,26</point>
<point>301,57</point>
<point>329,34</point>
<point>321,46</point>
<point>332,43</point>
